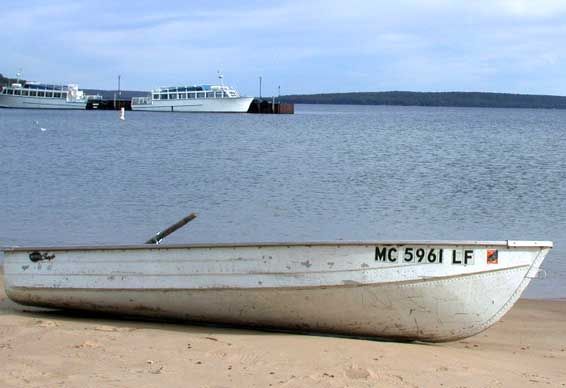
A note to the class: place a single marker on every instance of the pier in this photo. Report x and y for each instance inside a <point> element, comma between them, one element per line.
<point>262,106</point>
<point>103,104</point>
<point>258,106</point>
<point>111,99</point>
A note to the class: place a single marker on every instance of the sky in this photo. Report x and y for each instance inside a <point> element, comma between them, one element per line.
<point>320,46</point>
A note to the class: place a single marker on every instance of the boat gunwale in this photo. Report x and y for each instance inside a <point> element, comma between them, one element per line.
<point>338,244</point>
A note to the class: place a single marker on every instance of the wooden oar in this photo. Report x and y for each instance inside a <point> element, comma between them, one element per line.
<point>161,235</point>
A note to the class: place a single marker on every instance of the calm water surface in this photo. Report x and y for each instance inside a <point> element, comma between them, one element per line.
<point>325,173</point>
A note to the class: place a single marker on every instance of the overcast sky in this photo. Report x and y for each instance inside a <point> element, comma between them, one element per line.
<point>516,46</point>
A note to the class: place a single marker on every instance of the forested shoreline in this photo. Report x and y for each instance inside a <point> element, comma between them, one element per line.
<point>450,99</point>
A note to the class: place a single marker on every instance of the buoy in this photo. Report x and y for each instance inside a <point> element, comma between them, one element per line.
<point>122,113</point>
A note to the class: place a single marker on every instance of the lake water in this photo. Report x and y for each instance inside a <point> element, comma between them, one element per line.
<point>325,173</point>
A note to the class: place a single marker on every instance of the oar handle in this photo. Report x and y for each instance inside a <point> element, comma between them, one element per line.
<point>161,235</point>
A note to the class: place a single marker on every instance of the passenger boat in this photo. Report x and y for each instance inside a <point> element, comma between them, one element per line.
<point>415,290</point>
<point>196,98</point>
<point>42,96</point>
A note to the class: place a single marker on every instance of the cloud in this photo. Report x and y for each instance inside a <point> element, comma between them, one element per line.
<point>531,9</point>
<point>307,46</point>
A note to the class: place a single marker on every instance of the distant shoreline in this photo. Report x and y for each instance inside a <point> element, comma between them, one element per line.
<point>442,99</point>
<point>392,98</point>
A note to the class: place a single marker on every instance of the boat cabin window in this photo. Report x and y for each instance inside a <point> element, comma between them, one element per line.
<point>209,94</point>
<point>182,96</point>
<point>41,94</point>
<point>57,95</point>
<point>33,93</point>
<point>200,95</point>
<point>164,96</point>
<point>24,92</point>
<point>17,92</point>
<point>64,95</point>
<point>173,96</point>
<point>49,94</point>
<point>156,96</point>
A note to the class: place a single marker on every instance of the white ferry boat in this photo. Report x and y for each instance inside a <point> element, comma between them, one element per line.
<point>196,98</point>
<point>42,96</point>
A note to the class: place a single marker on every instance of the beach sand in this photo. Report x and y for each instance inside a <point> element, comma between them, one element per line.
<point>41,348</point>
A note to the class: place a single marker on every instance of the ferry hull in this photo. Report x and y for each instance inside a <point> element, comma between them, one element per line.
<point>321,287</point>
<point>25,102</point>
<point>216,105</point>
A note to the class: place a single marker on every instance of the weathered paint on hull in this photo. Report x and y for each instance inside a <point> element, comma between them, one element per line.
<point>321,288</point>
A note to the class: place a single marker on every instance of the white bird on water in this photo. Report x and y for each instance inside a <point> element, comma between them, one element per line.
<point>41,128</point>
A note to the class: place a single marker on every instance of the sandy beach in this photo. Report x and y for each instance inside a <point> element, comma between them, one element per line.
<point>41,348</point>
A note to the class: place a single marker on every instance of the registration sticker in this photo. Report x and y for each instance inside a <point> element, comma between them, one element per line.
<point>492,256</point>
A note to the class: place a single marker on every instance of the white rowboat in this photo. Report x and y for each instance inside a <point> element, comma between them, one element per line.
<point>417,290</point>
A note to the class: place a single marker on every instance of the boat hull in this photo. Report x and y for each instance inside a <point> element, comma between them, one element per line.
<point>215,105</point>
<point>25,102</point>
<point>338,288</point>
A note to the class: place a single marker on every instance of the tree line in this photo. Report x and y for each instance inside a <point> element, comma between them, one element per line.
<point>7,81</point>
<point>451,99</point>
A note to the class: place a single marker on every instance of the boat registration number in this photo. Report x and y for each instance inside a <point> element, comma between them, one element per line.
<point>423,255</point>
